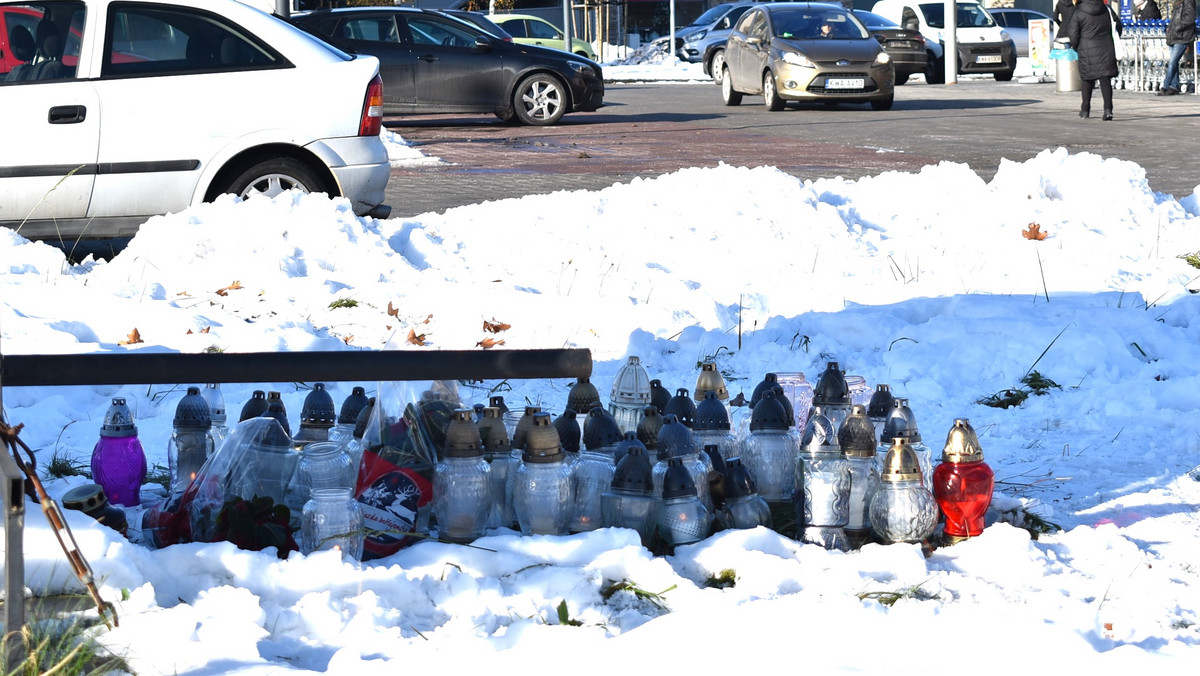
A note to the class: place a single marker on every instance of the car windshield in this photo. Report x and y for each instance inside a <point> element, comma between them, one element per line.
<point>970,15</point>
<point>810,24</point>
<point>711,16</point>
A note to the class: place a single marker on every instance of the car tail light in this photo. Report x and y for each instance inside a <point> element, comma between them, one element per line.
<point>372,115</point>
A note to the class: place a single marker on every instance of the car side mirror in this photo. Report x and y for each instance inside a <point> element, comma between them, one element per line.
<point>754,40</point>
<point>483,44</point>
<point>880,38</point>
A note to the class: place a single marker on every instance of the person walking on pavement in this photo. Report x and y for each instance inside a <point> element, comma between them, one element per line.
<point>1181,33</point>
<point>1146,10</point>
<point>1062,16</point>
<point>1090,31</point>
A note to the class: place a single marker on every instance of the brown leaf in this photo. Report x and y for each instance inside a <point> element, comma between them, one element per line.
<point>1034,231</point>
<point>189,332</point>
<point>416,338</point>
<point>205,329</point>
<point>348,338</point>
<point>393,311</point>
<point>134,337</point>
<point>427,318</point>
<point>495,326</point>
<point>232,287</point>
<point>488,342</point>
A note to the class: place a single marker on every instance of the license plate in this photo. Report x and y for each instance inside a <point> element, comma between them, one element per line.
<point>844,83</point>
<point>990,58</point>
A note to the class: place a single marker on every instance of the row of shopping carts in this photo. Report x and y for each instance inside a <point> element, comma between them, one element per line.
<point>1142,55</point>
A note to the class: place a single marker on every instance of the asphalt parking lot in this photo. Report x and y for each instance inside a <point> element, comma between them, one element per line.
<point>655,128</point>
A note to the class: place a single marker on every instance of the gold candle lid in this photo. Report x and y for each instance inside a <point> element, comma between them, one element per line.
<point>901,463</point>
<point>962,444</point>
<point>710,380</point>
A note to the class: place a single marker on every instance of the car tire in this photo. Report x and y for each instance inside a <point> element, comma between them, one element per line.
<point>1003,76</point>
<point>584,55</point>
<point>770,96</point>
<point>730,97</point>
<point>540,100</point>
<point>901,78</point>
<point>935,71</point>
<point>717,66</point>
<point>274,176</point>
<point>883,104</point>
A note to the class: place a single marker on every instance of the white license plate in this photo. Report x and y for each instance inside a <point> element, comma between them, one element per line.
<point>990,58</point>
<point>844,83</point>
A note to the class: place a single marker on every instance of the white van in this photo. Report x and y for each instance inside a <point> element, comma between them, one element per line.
<point>983,46</point>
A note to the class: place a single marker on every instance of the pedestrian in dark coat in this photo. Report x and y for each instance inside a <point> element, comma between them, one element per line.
<point>1181,33</point>
<point>1146,10</point>
<point>1062,16</point>
<point>1090,31</point>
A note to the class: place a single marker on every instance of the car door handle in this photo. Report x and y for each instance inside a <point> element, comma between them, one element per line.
<point>67,114</point>
<point>427,57</point>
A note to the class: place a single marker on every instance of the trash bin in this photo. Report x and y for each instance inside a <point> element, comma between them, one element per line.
<point>1066,67</point>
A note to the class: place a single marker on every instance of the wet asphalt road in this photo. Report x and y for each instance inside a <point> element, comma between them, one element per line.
<point>654,128</point>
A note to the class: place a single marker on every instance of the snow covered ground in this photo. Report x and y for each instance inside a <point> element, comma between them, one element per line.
<point>947,303</point>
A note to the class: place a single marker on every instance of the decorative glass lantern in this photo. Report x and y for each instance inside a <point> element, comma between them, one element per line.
<point>316,417</point>
<point>497,450</point>
<point>522,428</point>
<point>901,423</point>
<point>832,394</point>
<point>675,442</point>
<point>627,440</point>
<point>216,410</point>
<point>278,411</point>
<point>118,459</point>
<point>744,507</point>
<point>648,428</point>
<point>542,492</point>
<point>879,408</point>
<point>771,450</point>
<point>683,518</point>
<point>903,509</point>
<point>191,440</point>
<point>741,416</point>
<point>462,484</point>
<point>583,397</point>
<point>659,395</point>
<point>332,520</point>
<point>601,431</point>
<point>857,439</point>
<point>682,407</point>
<point>799,392</point>
<point>569,433</point>
<point>860,391</point>
<point>963,483</point>
<point>823,485</point>
<point>630,500</point>
<point>269,465</point>
<point>630,395</point>
<point>255,406</point>
<point>326,464</point>
<point>711,427</point>
<point>591,478</point>
<point>355,447</point>
<point>352,405</point>
<point>710,380</point>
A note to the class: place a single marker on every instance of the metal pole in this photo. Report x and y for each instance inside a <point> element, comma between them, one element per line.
<point>950,40</point>
<point>567,28</point>
<point>671,44</point>
<point>283,8</point>
<point>13,494</point>
<point>147,368</point>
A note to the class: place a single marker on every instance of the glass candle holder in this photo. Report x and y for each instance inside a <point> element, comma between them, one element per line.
<point>542,490</point>
<point>630,395</point>
<point>118,459</point>
<point>799,392</point>
<point>963,483</point>
<point>857,439</point>
<point>903,509</point>
<point>824,485</point>
<point>683,518</point>
<point>771,450</point>
<point>630,501</point>
<point>332,520</point>
<point>191,441</point>
<point>590,478</point>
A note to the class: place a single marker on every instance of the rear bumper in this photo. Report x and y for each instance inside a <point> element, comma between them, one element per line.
<point>360,166</point>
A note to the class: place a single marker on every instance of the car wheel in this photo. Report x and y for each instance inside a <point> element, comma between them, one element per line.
<point>883,104</point>
<point>901,78</point>
<point>1003,76</point>
<point>540,100</point>
<point>275,176</point>
<point>770,96</point>
<point>507,116</point>
<point>935,71</point>
<point>584,55</point>
<point>717,66</point>
<point>730,97</point>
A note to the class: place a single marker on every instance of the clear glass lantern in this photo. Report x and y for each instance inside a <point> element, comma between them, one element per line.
<point>118,459</point>
<point>860,391</point>
<point>903,509</point>
<point>712,427</point>
<point>498,452</point>
<point>832,394</point>
<point>879,407</point>
<point>352,405</point>
<point>901,423</point>
<point>255,406</point>
<point>332,520</point>
<point>326,464</point>
<point>630,395</point>
<point>771,450</point>
<point>630,501</point>
<point>823,483</point>
<point>570,434</point>
<point>583,397</point>
<point>963,483</point>
<point>676,442</point>
<point>317,417</point>
<point>799,392</point>
<point>601,431</point>
<point>683,518</point>
<point>857,439</point>
<point>191,441</point>
<point>462,482</point>
<point>744,507</point>
<point>542,491</point>
<point>591,478</point>
<point>277,410</point>
<point>660,396</point>
<point>682,407</point>
<point>216,410</point>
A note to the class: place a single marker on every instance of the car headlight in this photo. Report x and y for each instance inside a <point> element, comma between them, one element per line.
<point>582,68</point>
<point>695,37</point>
<point>1004,35</point>
<point>798,59</point>
<point>882,58</point>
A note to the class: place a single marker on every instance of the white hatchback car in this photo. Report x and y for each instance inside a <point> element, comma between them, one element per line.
<point>127,109</point>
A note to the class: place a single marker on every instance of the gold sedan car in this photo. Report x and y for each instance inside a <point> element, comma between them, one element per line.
<point>799,51</point>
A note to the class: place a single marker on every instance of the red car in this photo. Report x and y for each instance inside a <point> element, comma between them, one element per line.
<point>10,18</point>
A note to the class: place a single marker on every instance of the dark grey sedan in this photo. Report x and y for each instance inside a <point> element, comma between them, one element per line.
<point>432,63</point>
